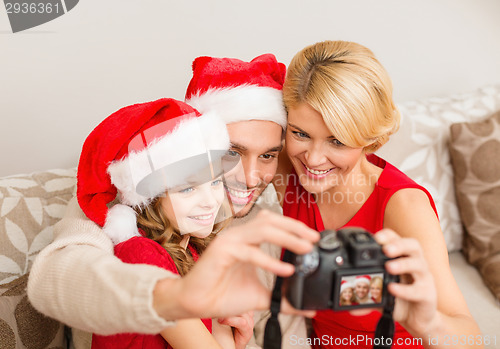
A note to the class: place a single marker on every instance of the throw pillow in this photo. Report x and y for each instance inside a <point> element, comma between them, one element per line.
<point>420,148</point>
<point>475,154</point>
<point>29,207</point>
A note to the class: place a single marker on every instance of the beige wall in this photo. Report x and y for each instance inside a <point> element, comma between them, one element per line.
<point>59,80</point>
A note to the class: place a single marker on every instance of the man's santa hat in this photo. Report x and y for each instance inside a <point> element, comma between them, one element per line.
<point>141,151</point>
<point>238,90</point>
<point>363,279</point>
<point>345,284</point>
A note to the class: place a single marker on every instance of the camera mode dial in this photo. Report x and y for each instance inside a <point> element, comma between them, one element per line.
<point>307,263</point>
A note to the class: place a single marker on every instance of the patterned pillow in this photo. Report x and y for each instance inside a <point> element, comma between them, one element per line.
<point>475,154</point>
<point>29,207</point>
<point>420,149</point>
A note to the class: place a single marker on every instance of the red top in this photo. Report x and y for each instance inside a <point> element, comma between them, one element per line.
<point>341,329</point>
<point>141,250</point>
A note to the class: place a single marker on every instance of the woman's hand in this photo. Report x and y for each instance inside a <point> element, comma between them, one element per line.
<point>416,295</point>
<point>242,328</point>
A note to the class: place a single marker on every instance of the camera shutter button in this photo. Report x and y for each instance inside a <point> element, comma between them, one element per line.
<point>329,242</point>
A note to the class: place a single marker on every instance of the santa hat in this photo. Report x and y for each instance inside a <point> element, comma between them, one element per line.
<point>141,151</point>
<point>238,90</point>
<point>365,279</point>
<point>345,284</point>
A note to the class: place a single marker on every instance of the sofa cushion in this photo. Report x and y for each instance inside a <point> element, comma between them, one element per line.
<point>420,148</point>
<point>29,207</point>
<point>475,154</point>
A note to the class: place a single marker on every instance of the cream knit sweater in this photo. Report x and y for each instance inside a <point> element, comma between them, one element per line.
<point>78,281</point>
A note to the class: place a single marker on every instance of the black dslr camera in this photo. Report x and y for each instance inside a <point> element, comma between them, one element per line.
<point>344,271</point>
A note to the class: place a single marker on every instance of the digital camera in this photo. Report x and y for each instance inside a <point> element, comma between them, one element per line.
<point>344,271</point>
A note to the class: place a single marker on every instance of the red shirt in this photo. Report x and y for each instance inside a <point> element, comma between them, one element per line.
<point>141,250</point>
<point>341,329</point>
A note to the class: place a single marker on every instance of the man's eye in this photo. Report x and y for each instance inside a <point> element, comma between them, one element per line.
<point>232,153</point>
<point>268,156</point>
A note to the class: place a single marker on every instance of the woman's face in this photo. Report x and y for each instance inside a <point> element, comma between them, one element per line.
<point>376,292</point>
<point>320,160</point>
<point>192,210</point>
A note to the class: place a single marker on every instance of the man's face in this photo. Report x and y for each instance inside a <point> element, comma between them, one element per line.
<point>362,290</point>
<point>256,143</point>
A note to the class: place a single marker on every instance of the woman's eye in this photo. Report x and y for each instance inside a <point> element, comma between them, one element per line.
<point>299,134</point>
<point>336,142</point>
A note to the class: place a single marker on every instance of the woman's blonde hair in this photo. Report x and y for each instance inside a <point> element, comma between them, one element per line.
<point>377,280</point>
<point>153,221</point>
<point>348,86</point>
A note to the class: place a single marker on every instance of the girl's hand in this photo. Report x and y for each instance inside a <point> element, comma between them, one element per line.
<point>416,295</point>
<point>242,328</point>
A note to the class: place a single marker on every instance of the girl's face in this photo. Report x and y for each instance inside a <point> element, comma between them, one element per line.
<point>346,294</point>
<point>192,210</point>
<point>376,293</point>
<point>320,160</point>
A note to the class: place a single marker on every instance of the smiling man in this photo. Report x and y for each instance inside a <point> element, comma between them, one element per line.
<point>248,97</point>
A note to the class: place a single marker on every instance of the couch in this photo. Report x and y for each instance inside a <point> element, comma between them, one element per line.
<point>31,204</point>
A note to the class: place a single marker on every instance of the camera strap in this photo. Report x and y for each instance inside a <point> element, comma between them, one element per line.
<point>385,327</point>
<point>272,333</point>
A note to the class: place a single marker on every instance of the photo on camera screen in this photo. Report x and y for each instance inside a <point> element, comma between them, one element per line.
<point>361,290</point>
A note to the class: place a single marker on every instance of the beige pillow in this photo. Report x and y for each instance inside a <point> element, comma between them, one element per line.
<point>420,148</point>
<point>475,154</point>
<point>29,207</point>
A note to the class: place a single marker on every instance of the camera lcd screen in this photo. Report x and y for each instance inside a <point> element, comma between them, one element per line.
<point>361,290</point>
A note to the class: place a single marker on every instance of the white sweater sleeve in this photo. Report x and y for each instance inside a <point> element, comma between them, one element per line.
<point>78,281</point>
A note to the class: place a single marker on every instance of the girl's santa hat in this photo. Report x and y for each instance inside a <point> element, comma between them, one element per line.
<point>345,284</point>
<point>141,151</point>
<point>238,90</point>
<point>365,279</point>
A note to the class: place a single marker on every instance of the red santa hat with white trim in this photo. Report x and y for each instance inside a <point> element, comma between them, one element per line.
<point>141,151</point>
<point>238,90</point>
<point>365,279</point>
<point>345,284</point>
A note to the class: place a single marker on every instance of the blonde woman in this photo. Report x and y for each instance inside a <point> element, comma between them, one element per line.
<point>340,111</point>
<point>376,285</point>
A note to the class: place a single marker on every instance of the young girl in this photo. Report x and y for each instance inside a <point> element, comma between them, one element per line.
<point>164,160</point>
<point>340,111</point>
<point>347,294</point>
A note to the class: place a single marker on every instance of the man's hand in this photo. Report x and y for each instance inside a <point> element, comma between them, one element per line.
<point>224,281</point>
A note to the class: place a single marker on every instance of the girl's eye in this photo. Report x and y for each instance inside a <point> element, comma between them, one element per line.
<point>216,182</point>
<point>186,190</point>
<point>299,134</point>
